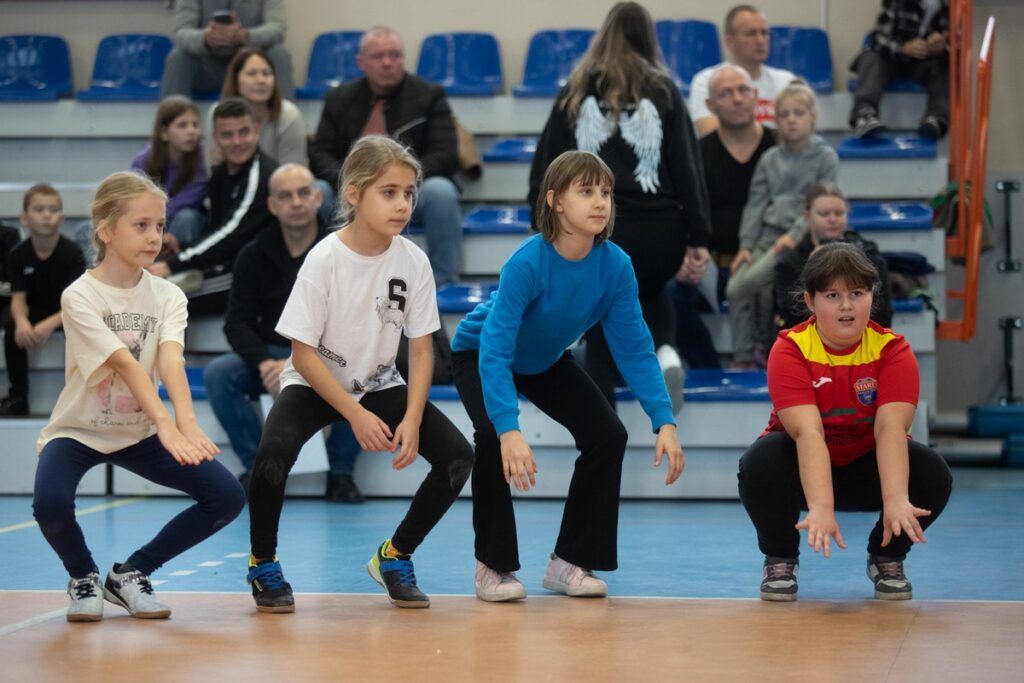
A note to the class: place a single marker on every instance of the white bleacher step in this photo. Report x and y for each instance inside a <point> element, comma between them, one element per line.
<point>19,461</point>
<point>500,115</point>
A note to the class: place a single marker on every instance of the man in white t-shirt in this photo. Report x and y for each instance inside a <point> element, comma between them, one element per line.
<point>748,44</point>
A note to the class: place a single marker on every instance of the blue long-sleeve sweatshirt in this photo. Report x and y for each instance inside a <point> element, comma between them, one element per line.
<point>543,304</point>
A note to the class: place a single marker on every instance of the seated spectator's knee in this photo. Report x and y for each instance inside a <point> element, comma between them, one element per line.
<point>222,375</point>
<point>178,60</point>
<point>280,57</point>
<point>438,189</point>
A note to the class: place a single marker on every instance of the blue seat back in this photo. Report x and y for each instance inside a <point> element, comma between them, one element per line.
<point>688,46</point>
<point>34,67</point>
<point>332,61</point>
<point>890,216</point>
<point>549,60</point>
<point>466,64</point>
<point>511,150</point>
<point>463,298</point>
<point>888,147</point>
<point>805,51</point>
<point>497,220</point>
<point>128,66</point>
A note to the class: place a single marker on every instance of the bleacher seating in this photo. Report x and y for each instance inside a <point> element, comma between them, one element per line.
<point>128,66</point>
<point>904,85</point>
<point>888,147</point>
<point>332,61</point>
<point>466,64</point>
<point>805,51</point>
<point>688,46</point>
<point>511,150</point>
<point>890,216</point>
<point>549,61</point>
<point>34,68</point>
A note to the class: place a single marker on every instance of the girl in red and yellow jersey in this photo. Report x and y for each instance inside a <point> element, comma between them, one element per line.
<point>844,391</point>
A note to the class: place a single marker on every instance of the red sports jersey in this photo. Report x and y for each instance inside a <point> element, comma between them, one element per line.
<point>847,386</point>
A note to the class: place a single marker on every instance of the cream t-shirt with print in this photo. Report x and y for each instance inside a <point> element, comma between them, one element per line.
<point>95,407</point>
<point>353,308</point>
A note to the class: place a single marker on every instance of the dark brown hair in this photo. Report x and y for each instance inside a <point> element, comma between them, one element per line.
<point>839,262</point>
<point>623,57</point>
<point>158,163</point>
<point>567,168</point>
<point>44,189</point>
<point>233,108</point>
<point>235,67</point>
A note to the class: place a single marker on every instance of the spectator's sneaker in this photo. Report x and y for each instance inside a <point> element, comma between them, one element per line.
<point>867,125</point>
<point>341,488</point>
<point>778,582</point>
<point>13,406</point>
<point>271,592</point>
<point>890,581</point>
<point>672,370</point>
<point>577,582</point>
<point>397,576</point>
<point>931,128</point>
<point>132,590</point>
<point>495,586</point>
<point>86,598</point>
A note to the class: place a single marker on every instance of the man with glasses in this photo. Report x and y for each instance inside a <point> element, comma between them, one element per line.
<point>265,272</point>
<point>389,101</point>
<point>748,43</point>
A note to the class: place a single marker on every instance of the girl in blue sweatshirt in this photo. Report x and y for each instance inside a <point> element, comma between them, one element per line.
<point>552,289</point>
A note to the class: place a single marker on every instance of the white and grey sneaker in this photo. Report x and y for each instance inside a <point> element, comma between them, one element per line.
<point>778,581</point>
<point>86,598</point>
<point>890,581</point>
<point>672,370</point>
<point>133,591</point>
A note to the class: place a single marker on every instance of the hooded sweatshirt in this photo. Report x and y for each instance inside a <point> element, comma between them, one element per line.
<point>779,188</point>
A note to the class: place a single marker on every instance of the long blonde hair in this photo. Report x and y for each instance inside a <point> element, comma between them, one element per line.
<point>116,190</point>
<point>623,58</point>
<point>367,160</point>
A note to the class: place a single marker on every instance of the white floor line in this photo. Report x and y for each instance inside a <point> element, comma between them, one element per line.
<point>183,572</point>
<point>79,513</point>
<point>26,623</point>
<point>234,556</point>
<point>212,563</point>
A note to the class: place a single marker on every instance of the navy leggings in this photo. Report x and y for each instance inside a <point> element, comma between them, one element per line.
<point>62,464</point>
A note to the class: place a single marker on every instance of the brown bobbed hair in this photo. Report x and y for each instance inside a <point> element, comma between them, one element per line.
<point>570,167</point>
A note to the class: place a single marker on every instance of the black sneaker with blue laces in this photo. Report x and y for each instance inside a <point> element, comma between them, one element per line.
<point>271,592</point>
<point>398,578</point>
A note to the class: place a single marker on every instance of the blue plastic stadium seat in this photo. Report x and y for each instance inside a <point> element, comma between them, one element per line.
<point>332,61</point>
<point>463,298</point>
<point>443,392</point>
<point>195,384</point>
<point>890,216</point>
<point>549,60</point>
<point>497,220</point>
<point>466,64</point>
<point>688,46</point>
<point>915,305</point>
<point>511,150</point>
<point>726,385</point>
<point>805,51</point>
<point>888,147</point>
<point>128,66</point>
<point>34,68</point>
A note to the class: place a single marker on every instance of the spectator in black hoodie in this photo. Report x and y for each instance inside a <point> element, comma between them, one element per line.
<point>266,269</point>
<point>238,205</point>
<point>825,215</point>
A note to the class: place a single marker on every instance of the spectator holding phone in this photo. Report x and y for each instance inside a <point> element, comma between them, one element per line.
<point>208,33</point>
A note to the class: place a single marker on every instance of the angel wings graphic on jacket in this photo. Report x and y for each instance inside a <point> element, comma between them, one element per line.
<point>641,130</point>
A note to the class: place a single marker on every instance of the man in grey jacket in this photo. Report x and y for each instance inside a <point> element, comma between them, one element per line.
<point>207,33</point>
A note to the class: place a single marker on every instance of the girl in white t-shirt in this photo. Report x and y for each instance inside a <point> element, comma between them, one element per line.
<point>358,290</point>
<point>124,327</point>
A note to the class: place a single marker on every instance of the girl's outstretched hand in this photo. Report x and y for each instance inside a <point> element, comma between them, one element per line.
<point>407,437</point>
<point>901,517</point>
<point>822,527</point>
<point>668,445</point>
<point>194,433</point>
<point>178,445</point>
<point>517,461</point>
<point>372,433</point>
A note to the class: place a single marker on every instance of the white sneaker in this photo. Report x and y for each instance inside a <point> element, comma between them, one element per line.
<point>86,598</point>
<point>577,582</point>
<point>672,370</point>
<point>133,591</point>
<point>495,586</point>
